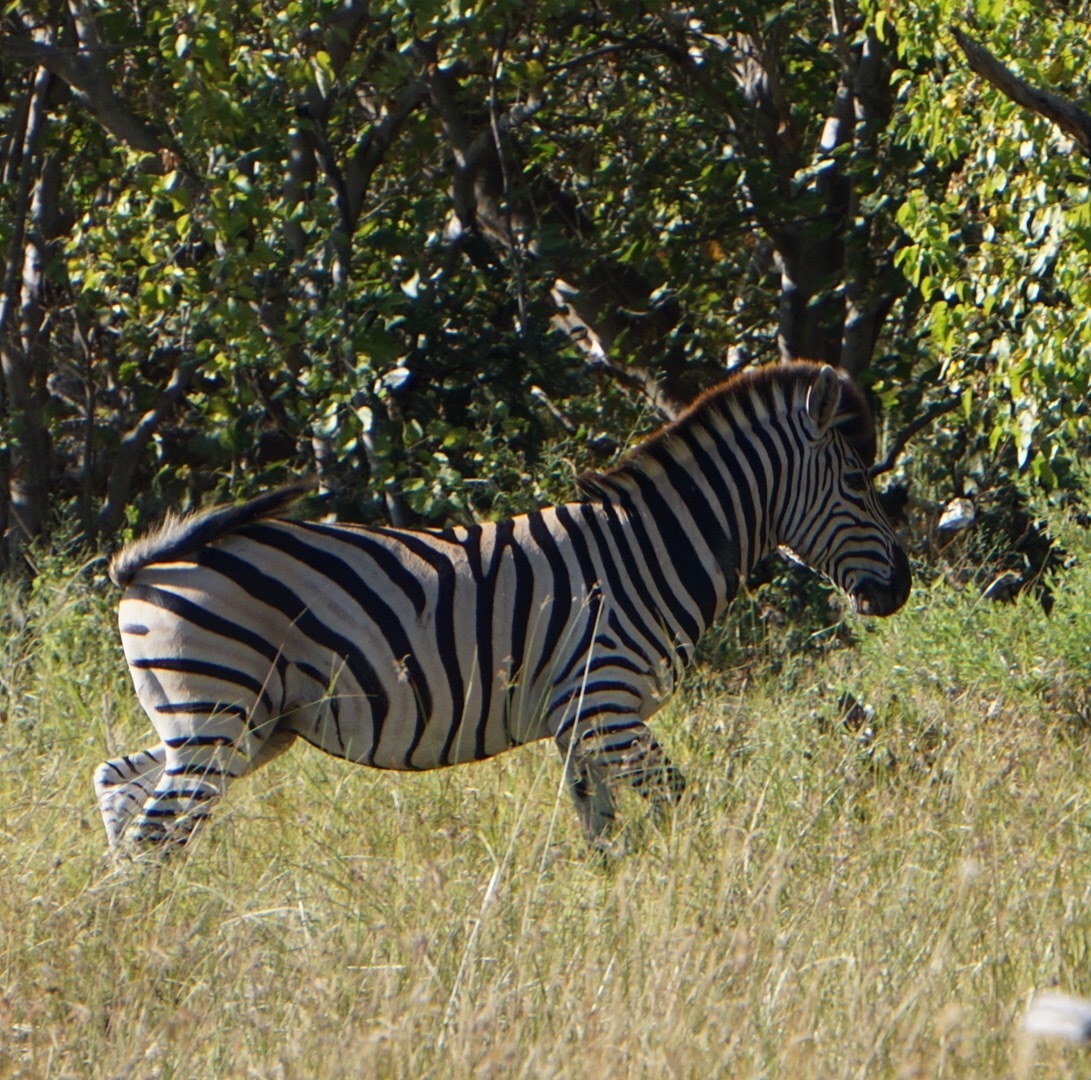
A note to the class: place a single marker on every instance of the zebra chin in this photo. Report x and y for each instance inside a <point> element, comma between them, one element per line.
<point>870,596</point>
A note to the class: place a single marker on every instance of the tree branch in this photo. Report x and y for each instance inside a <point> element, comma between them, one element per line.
<point>86,72</point>
<point>119,484</point>
<point>15,392</point>
<point>907,433</point>
<point>1062,112</point>
<point>32,134</point>
<point>372,148</point>
<point>310,143</point>
<point>343,29</point>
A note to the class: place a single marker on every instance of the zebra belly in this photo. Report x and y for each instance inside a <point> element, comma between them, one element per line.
<point>418,710</point>
<point>406,740</point>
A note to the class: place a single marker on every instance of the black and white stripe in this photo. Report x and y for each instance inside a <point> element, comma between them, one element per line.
<point>407,649</point>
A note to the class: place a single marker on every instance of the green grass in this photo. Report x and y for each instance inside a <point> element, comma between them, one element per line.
<point>844,892</point>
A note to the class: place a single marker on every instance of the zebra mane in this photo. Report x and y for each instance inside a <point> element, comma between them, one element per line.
<point>179,534</point>
<point>776,387</point>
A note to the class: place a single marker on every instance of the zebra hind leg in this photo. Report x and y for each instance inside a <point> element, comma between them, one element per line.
<point>123,785</point>
<point>194,777</point>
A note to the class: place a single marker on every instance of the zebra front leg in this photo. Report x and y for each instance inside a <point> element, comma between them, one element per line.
<point>589,785</point>
<point>609,750</point>
<point>654,776</point>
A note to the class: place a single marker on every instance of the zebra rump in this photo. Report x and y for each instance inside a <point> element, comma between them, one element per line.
<point>418,649</point>
<point>179,534</point>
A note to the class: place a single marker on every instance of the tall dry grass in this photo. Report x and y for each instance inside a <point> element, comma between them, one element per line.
<point>883,851</point>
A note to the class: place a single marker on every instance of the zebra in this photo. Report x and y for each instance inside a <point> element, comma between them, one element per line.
<point>417,649</point>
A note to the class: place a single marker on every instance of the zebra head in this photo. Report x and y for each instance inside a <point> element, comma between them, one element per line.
<point>833,521</point>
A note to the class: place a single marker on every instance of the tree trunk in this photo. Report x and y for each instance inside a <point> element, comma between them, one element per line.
<point>23,339</point>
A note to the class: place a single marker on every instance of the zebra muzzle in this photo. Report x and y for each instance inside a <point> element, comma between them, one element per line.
<point>874,597</point>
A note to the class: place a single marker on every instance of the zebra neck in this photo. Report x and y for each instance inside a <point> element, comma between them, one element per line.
<point>688,545</point>
<point>714,492</point>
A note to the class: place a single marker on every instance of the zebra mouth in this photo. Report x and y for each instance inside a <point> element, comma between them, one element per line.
<point>878,601</point>
<point>874,597</point>
<point>871,603</point>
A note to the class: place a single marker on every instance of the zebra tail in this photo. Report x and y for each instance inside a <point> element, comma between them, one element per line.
<point>179,535</point>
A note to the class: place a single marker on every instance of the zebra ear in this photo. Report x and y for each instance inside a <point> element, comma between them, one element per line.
<point>824,398</point>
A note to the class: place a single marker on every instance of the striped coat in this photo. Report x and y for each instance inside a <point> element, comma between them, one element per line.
<point>405,649</point>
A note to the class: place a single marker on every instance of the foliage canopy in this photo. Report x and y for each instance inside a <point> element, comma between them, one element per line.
<point>443,254</point>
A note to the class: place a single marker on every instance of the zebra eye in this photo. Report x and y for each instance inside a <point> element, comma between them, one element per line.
<point>856,481</point>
